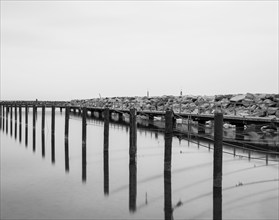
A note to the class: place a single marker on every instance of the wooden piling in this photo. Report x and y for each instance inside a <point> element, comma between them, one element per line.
<point>26,125</point>
<point>7,116</point>
<point>34,127</point>
<point>43,118</point>
<point>84,113</point>
<point>15,121</point>
<point>168,139</point>
<point>217,165</point>
<point>67,111</point>
<point>84,110</point>
<point>1,116</point>
<point>53,134</point>
<point>11,120</point>
<point>20,122</point>
<point>106,129</point>
<point>133,135</point>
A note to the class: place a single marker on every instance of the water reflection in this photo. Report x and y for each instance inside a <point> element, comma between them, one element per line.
<point>83,164</point>
<point>167,196</point>
<point>132,186</point>
<point>106,172</point>
<point>217,203</point>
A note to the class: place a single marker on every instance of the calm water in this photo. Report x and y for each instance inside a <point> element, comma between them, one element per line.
<point>40,183</point>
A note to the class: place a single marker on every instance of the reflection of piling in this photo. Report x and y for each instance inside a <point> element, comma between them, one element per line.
<point>53,134</point>
<point>26,125</point>
<point>43,131</point>
<point>106,129</point>
<point>133,186</point>
<point>67,112</point>
<point>167,195</point>
<point>34,127</point>
<point>168,139</point>
<point>106,172</point>
<point>133,135</point>
<point>67,166</point>
<point>217,165</point>
<point>20,121</point>
<point>84,113</point>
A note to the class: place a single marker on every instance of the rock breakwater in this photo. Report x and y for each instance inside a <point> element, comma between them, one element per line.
<point>257,105</point>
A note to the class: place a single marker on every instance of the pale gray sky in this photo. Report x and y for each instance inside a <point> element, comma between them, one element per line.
<point>62,50</point>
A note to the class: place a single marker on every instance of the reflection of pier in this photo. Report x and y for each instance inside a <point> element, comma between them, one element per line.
<point>106,116</point>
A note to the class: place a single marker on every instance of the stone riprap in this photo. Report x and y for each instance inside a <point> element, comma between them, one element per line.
<point>258,105</point>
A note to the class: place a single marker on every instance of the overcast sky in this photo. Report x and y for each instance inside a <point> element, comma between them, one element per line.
<point>63,50</point>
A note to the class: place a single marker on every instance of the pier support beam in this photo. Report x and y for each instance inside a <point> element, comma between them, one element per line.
<point>26,125</point>
<point>34,127</point>
<point>168,139</point>
<point>169,119</point>
<point>133,135</point>
<point>106,129</point>
<point>84,114</point>
<point>53,134</point>
<point>20,121</point>
<point>43,131</point>
<point>15,121</point>
<point>11,120</point>
<point>217,165</point>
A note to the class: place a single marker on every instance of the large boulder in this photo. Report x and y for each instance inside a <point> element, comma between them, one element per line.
<point>237,98</point>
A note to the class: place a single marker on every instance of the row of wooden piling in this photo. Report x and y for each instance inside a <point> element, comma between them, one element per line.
<point>217,162</point>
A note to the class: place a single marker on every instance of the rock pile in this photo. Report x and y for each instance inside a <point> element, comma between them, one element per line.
<point>258,105</point>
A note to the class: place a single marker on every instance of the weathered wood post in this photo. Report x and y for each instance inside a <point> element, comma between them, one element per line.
<point>106,129</point>
<point>84,113</point>
<point>43,130</point>
<point>217,165</point>
<point>34,127</point>
<point>53,134</point>
<point>20,121</point>
<point>67,112</point>
<point>133,135</point>
<point>106,172</point>
<point>167,164</point>
<point>11,120</point>
<point>7,116</point>
<point>132,186</point>
<point>168,139</point>
<point>1,116</point>
<point>15,121</point>
<point>26,125</point>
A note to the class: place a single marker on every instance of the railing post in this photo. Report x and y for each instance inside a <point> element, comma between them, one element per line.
<point>217,165</point>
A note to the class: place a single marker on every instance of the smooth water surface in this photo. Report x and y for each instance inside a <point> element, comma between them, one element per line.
<point>41,180</point>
